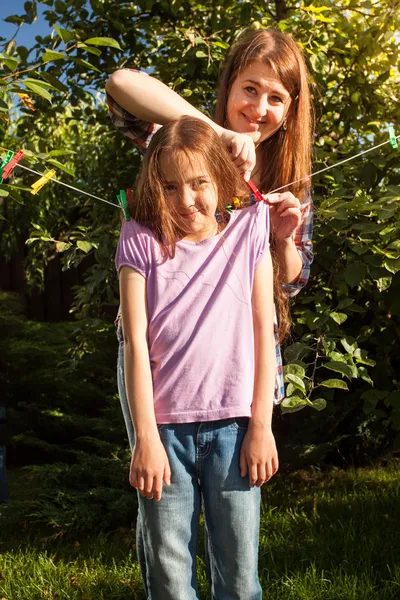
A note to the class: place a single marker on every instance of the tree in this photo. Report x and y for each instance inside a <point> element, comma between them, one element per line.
<point>347,322</point>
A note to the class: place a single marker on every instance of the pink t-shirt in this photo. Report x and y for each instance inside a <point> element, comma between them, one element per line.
<point>200,339</point>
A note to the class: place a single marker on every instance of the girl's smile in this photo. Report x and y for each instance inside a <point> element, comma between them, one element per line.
<point>257,103</point>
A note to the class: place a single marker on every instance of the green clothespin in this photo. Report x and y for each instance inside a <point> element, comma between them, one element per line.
<point>5,162</point>
<point>392,137</point>
<point>124,204</point>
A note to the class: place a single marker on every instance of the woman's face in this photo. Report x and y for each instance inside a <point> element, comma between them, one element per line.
<point>257,103</point>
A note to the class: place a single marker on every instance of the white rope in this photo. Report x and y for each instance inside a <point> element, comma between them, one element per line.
<point>341,162</point>
<point>68,186</point>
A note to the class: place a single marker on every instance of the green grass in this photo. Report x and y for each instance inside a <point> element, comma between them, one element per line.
<point>324,536</point>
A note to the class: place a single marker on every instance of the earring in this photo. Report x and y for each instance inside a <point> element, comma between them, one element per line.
<point>284,124</point>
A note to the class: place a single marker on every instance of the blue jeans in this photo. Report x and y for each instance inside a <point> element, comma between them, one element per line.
<point>204,460</point>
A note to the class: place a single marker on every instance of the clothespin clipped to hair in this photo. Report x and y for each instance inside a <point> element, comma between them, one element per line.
<point>35,187</point>
<point>9,166</point>
<point>124,203</point>
<point>392,137</point>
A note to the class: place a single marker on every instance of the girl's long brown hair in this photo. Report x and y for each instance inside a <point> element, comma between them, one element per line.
<point>149,205</point>
<point>195,138</point>
<point>287,153</point>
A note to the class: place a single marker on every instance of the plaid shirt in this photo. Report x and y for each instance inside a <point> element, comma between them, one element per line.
<point>141,132</point>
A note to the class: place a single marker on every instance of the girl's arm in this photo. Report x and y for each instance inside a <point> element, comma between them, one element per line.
<point>151,100</point>
<point>149,464</point>
<point>258,455</point>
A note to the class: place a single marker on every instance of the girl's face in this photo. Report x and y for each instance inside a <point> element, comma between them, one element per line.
<point>257,103</point>
<point>191,195</point>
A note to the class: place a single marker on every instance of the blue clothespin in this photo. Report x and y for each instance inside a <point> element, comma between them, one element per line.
<point>124,204</point>
<point>392,137</point>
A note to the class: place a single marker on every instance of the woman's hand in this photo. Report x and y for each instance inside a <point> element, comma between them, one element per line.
<point>258,455</point>
<point>149,467</point>
<point>285,214</point>
<point>242,150</point>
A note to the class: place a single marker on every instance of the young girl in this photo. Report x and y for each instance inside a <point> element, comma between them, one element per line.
<point>263,116</point>
<point>196,290</point>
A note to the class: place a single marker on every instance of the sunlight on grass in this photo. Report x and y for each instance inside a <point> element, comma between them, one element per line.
<point>324,536</point>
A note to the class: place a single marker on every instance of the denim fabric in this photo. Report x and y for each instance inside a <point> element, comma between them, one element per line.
<point>204,460</point>
<point>131,437</point>
<point>121,389</point>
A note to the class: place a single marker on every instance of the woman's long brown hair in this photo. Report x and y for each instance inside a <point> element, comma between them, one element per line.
<point>287,153</point>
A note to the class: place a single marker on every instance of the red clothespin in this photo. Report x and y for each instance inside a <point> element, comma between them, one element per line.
<point>8,169</point>
<point>257,194</point>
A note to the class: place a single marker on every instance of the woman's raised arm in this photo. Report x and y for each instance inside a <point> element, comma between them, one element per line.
<point>150,100</point>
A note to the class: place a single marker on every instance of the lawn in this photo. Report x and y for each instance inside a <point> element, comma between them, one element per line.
<point>324,536</point>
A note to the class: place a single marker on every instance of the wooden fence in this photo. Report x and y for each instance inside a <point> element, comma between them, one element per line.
<point>54,302</point>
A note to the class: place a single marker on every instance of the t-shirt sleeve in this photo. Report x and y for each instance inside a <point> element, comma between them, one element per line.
<point>132,250</point>
<point>261,234</point>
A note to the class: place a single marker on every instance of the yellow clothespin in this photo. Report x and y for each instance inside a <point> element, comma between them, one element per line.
<point>35,187</point>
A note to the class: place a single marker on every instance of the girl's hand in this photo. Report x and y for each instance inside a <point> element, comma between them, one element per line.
<point>285,214</point>
<point>258,455</point>
<point>149,468</point>
<point>242,150</point>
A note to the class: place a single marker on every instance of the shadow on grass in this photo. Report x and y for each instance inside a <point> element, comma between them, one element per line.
<point>324,536</point>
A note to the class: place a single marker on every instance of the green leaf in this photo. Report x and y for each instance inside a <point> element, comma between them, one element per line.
<point>297,382</point>
<point>338,317</point>
<point>291,390</point>
<point>365,375</point>
<point>3,193</point>
<point>103,41</point>
<point>334,383</point>
<point>65,35</point>
<point>62,246</point>
<point>87,64</point>
<point>293,404</point>
<point>296,351</point>
<point>201,54</point>
<point>11,63</point>
<point>95,51</point>
<point>53,81</point>
<point>294,370</point>
<point>354,274</point>
<point>51,55</point>
<point>361,357</point>
<point>39,82</point>
<point>60,166</point>
<point>319,404</point>
<point>85,246</point>
<point>38,89</point>
<point>392,265</point>
<point>349,344</point>
<point>345,302</point>
<point>339,367</point>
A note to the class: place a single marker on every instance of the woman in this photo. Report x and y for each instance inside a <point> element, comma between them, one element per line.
<point>264,116</point>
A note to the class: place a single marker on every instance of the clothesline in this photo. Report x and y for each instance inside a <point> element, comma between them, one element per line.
<point>341,162</point>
